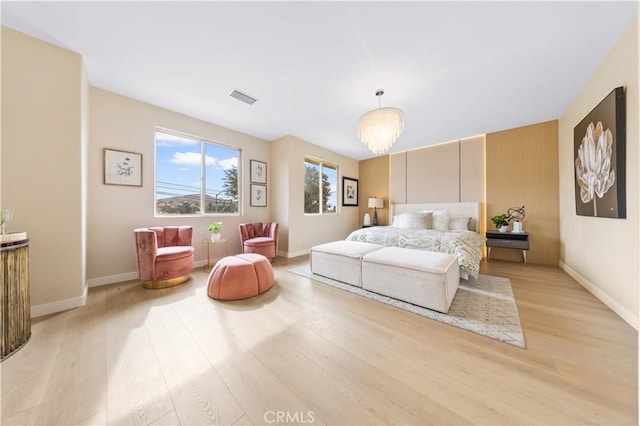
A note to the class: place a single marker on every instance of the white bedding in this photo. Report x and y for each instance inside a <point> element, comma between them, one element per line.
<point>465,245</point>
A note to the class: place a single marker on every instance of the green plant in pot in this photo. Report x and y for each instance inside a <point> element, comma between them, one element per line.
<point>215,229</point>
<point>501,222</point>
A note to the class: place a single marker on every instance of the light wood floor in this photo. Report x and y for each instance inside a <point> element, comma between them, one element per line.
<point>310,353</point>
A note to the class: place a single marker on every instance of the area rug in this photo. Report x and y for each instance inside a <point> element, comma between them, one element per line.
<point>483,306</point>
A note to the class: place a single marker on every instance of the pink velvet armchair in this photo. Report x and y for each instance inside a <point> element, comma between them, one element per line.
<point>164,255</point>
<point>260,238</point>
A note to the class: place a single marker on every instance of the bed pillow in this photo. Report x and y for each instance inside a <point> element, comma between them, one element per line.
<point>459,223</point>
<point>413,220</point>
<point>441,220</point>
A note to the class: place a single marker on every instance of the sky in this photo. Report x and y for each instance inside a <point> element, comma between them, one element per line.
<point>178,163</point>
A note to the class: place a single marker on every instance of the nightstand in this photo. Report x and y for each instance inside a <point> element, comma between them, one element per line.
<point>510,240</point>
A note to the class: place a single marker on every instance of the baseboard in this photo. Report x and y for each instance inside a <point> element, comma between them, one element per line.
<point>630,317</point>
<point>59,306</point>
<point>128,276</point>
<point>289,255</point>
<point>110,279</point>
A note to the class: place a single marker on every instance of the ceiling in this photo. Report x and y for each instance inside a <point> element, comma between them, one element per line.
<point>456,69</point>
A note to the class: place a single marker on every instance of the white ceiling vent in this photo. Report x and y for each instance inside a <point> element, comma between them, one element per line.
<point>236,94</point>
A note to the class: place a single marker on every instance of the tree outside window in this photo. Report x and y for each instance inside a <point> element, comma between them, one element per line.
<point>319,175</point>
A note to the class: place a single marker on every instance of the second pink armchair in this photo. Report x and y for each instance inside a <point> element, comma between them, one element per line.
<point>260,238</point>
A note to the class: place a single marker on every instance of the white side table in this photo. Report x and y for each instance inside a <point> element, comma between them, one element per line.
<point>211,243</point>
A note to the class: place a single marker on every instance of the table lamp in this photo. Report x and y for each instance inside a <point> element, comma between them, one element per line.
<point>375,204</point>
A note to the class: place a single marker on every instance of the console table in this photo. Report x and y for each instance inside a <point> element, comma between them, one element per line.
<point>14,293</point>
<point>512,240</point>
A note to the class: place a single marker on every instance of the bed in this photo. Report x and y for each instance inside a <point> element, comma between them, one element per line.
<point>463,241</point>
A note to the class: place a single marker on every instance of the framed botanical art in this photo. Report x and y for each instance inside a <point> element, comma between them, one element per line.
<point>599,159</point>
<point>349,191</point>
<point>258,195</point>
<point>122,168</point>
<point>258,171</point>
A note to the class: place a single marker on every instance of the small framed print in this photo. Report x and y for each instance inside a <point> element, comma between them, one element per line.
<point>258,195</point>
<point>122,168</point>
<point>349,191</point>
<point>258,171</point>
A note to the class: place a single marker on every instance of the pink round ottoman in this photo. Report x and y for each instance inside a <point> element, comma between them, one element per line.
<point>239,277</point>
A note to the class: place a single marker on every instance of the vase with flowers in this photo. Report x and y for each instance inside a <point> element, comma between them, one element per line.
<point>215,229</point>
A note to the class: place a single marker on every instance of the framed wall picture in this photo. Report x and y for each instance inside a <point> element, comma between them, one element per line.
<point>599,159</point>
<point>122,168</point>
<point>258,195</point>
<point>349,191</point>
<point>258,171</point>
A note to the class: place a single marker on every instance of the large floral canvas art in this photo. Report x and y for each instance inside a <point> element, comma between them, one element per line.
<point>599,159</point>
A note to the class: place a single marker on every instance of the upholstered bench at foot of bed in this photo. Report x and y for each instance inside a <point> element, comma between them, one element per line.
<point>424,278</point>
<point>340,260</point>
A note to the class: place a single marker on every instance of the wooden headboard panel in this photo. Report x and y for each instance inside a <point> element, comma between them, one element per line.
<point>467,209</point>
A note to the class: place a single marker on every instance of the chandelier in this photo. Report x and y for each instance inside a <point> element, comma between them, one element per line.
<point>380,128</point>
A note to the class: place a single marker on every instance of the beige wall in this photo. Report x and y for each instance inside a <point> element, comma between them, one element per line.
<point>447,172</point>
<point>398,178</point>
<point>522,170</point>
<point>43,144</point>
<point>114,211</point>
<point>302,231</point>
<point>280,195</point>
<point>602,254</point>
<point>374,182</point>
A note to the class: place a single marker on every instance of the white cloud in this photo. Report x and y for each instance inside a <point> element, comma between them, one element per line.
<point>211,161</point>
<point>229,163</point>
<point>187,158</point>
<point>183,169</point>
<point>163,139</point>
<point>194,159</point>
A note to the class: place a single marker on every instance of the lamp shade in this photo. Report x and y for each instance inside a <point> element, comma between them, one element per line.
<point>377,203</point>
<point>380,128</point>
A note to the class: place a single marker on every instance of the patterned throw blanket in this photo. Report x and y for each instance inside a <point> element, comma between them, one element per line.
<point>465,245</point>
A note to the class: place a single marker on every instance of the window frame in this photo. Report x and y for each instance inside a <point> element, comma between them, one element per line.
<point>203,180</point>
<point>321,164</point>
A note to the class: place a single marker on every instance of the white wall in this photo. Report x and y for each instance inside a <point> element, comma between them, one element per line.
<point>302,231</point>
<point>43,140</point>
<point>602,254</point>
<point>114,211</point>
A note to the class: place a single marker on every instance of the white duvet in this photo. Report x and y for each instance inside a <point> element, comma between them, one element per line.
<point>465,245</point>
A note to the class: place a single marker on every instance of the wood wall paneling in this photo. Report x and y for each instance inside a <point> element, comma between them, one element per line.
<point>522,169</point>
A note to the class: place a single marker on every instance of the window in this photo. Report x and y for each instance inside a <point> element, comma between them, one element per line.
<point>318,174</point>
<point>194,176</point>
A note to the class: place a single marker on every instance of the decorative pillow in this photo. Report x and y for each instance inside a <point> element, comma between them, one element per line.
<point>441,220</point>
<point>459,223</point>
<point>413,220</point>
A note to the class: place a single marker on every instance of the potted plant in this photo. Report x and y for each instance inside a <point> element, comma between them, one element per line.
<point>215,229</point>
<point>501,222</point>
